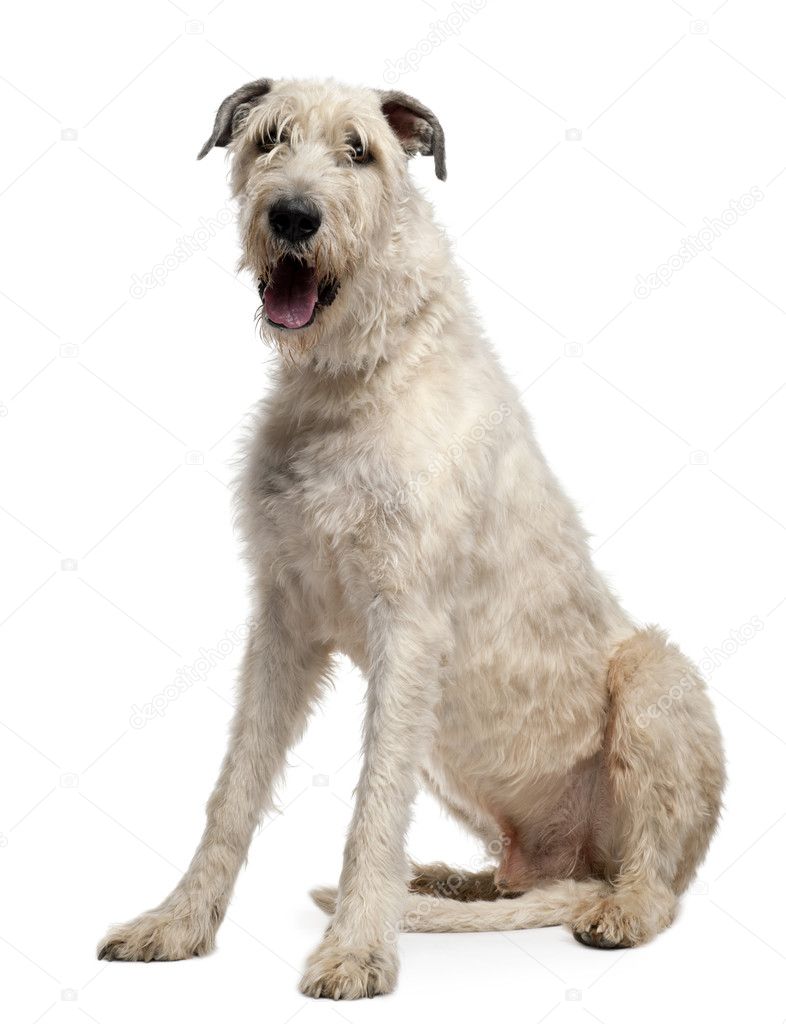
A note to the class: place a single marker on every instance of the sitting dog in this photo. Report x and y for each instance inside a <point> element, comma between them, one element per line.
<point>396,508</point>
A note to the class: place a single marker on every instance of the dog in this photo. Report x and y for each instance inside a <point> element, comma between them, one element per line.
<point>395,507</point>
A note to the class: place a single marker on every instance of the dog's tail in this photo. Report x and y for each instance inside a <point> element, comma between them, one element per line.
<point>559,902</point>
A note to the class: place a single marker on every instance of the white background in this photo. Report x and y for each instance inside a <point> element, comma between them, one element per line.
<point>120,415</point>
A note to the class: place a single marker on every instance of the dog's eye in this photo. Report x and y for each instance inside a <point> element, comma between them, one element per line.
<point>268,142</point>
<point>357,151</point>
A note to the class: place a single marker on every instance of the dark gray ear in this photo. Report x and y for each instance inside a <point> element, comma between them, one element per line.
<point>232,112</point>
<point>417,128</point>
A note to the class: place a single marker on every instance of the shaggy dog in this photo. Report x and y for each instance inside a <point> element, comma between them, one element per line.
<point>396,508</point>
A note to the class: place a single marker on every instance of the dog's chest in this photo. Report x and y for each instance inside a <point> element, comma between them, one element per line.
<point>321,510</point>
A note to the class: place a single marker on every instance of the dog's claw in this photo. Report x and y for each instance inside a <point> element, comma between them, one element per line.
<point>597,940</point>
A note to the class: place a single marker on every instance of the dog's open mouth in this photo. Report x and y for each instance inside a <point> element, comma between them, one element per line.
<point>293,294</point>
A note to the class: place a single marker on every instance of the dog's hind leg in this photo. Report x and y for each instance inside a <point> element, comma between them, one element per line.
<point>664,761</point>
<point>280,678</point>
<point>664,765</point>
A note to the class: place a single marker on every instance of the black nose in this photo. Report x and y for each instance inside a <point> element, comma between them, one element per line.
<point>294,219</point>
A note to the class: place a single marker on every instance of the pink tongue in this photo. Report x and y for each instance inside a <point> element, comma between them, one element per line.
<point>291,294</point>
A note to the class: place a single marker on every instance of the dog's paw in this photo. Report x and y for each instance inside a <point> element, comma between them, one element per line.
<point>325,898</point>
<point>158,935</point>
<point>617,923</point>
<point>335,972</point>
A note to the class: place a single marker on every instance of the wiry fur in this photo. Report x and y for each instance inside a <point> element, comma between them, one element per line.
<point>396,507</point>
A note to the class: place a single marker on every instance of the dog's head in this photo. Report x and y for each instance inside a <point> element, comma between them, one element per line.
<point>320,174</point>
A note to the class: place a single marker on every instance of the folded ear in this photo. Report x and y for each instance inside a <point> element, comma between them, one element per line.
<point>233,112</point>
<point>416,127</point>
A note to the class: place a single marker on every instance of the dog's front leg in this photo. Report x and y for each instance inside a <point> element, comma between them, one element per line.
<point>357,956</point>
<point>280,678</point>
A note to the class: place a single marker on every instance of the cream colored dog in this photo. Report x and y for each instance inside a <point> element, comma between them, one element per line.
<point>396,508</point>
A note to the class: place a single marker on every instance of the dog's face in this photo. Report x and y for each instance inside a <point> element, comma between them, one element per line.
<point>320,174</point>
